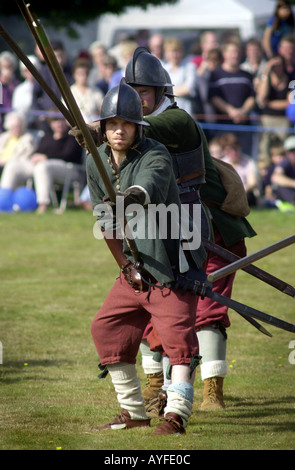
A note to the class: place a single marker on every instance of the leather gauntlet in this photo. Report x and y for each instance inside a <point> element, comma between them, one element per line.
<point>131,274</point>
<point>95,133</point>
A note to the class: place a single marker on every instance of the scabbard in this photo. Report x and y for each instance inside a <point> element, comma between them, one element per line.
<point>251,269</point>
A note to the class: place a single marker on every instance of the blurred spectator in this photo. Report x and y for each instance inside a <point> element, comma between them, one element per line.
<point>278,25</point>
<point>8,80</point>
<point>22,98</point>
<point>155,45</point>
<point>202,105</point>
<point>49,162</point>
<point>97,52</point>
<point>255,62</point>
<point>89,99</point>
<point>127,49</point>
<point>287,51</point>
<point>108,68</point>
<point>272,98</point>
<point>39,55</point>
<point>283,176</point>
<point>182,73</point>
<point>85,57</point>
<point>215,147</point>
<point>243,164</point>
<point>41,100</point>
<point>208,41</point>
<point>142,37</point>
<point>16,144</point>
<point>277,155</point>
<point>231,92</point>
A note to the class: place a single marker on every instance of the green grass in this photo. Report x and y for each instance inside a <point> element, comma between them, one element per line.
<point>54,276</point>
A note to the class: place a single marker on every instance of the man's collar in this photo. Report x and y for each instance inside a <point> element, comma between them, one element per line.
<point>164,105</point>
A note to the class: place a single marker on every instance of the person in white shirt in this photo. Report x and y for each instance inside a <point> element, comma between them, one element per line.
<point>17,145</point>
<point>89,99</point>
<point>22,98</point>
<point>182,73</point>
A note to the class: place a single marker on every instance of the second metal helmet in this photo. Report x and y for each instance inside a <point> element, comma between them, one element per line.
<point>122,102</point>
<point>145,69</point>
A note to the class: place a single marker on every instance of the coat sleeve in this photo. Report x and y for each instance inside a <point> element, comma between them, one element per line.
<point>155,174</point>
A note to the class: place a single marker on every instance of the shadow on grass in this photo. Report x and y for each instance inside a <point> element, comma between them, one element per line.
<point>261,403</point>
<point>275,415</point>
<point>9,370</point>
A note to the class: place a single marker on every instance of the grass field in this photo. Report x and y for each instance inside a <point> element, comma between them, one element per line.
<point>54,275</point>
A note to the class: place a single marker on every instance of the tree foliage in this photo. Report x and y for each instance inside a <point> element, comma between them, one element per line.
<point>57,13</point>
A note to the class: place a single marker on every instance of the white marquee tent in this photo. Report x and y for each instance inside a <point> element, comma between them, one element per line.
<point>247,16</point>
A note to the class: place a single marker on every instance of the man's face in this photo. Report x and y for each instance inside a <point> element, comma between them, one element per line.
<point>147,95</point>
<point>232,55</point>
<point>174,55</point>
<point>120,134</point>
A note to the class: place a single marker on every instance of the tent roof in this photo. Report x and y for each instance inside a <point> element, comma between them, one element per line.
<point>193,14</point>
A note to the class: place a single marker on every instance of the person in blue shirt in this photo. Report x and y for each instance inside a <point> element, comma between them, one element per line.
<point>278,25</point>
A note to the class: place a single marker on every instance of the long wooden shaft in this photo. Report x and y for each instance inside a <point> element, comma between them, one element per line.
<point>70,101</point>
<point>242,262</point>
<point>264,276</point>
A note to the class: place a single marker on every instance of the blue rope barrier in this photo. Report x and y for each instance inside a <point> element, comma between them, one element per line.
<point>205,125</point>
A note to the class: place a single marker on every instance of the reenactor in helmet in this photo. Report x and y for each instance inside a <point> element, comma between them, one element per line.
<point>198,183</point>
<point>141,172</point>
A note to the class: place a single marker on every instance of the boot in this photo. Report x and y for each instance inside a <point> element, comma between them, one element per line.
<point>153,386</point>
<point>154,408</point>
<point>213,394</point>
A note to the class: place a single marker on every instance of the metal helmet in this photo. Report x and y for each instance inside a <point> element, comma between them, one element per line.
<point>169,89</point>
<point>122,102</point>
<point>144,69</point>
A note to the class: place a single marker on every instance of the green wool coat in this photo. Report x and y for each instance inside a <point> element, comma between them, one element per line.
<point>148,166</point>
<point>176,129</point>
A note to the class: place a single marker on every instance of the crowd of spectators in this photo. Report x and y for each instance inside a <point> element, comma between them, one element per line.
<point>239,92</point>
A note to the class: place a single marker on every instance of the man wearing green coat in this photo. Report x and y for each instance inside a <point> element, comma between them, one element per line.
<point>198,180</point>
<point>141,173</point>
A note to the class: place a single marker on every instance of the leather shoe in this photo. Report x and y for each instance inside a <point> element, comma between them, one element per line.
<point>172,424</point>
<point>124,421</point>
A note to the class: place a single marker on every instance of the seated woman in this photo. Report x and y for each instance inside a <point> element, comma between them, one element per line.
<point>46,163</point>
<point>16,147</point>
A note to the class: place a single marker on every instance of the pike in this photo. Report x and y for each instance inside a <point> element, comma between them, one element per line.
<point>251,269</point>
<point>247,311</point>
<point>64,88</point>
<point>246,260</point>
<point>203,288</point>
